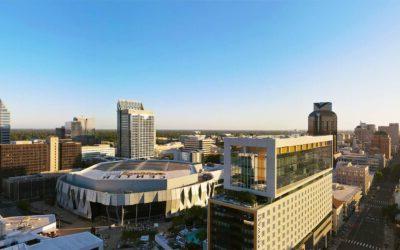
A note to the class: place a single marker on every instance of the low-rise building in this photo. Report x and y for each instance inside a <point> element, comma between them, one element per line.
<point>96,151</point>
<point>198,142</point>
<point>30,187</point>
<point>38,232</point>
<point>374,161</point>
<point>354,175</point>
<point>345,202</point>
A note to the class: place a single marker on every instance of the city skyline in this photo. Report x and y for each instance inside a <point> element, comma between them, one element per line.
<point>248,64</point>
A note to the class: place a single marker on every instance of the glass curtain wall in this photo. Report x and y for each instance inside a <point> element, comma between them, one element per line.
<point>249,167</point>
<point>295,166</point>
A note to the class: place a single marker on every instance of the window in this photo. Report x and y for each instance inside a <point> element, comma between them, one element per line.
<point>248,167</point>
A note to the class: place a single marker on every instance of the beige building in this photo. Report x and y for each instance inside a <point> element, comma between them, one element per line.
<point>364,133</point>
<point>278,194</point>
<point>53,143</point>
<point>198,142</point>
<point>354,175</point>
<point>135,130</point>
<point>95,151</point>
<point>345,202</point>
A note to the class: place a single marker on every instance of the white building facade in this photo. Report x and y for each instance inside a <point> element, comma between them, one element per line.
<point>291,180</point>
<point>136,131</point>
<point>102,150</point>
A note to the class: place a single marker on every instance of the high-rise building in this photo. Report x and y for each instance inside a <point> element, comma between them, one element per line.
<point>4,124</point>
<point>60,132</point>
<point>53,145</point>
<point>364,133</point>
<point>323,121</point>
<point>381,144</point>
<point>278,194</point>
<point>135,130</point>
<point>82,126</point>
<point>393,131</point>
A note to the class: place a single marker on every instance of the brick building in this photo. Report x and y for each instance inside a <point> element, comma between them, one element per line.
<point>70,155</point>
<point>23,159</point>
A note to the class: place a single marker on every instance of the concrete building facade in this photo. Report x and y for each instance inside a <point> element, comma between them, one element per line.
<point>364,133</point>
<point>353,175</point>
<point>54,161</point>
<point>101,150</point>
<point>136,131</point>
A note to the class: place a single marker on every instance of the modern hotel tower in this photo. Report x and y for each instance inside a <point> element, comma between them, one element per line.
<point>278,194</point>
<point>4,124</point>
<point>136,133</point>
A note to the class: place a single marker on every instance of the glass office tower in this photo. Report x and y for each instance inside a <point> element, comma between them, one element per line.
<point>4,124</point>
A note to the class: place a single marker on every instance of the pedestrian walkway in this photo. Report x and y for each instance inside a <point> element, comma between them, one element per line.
<point>361,244</point>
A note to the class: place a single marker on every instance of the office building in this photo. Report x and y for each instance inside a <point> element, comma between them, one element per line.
<point>323,121</point>
<point>5,128</point>
<point>82,126</point>
<point>353,175</point>
<point>381,144</point>
<point>393,131</point>
<point>40,232</point>
<point>135,130</point>
<point>364,133</point>
<point>22,159</point>
<point>61,132</point>
<point>278,194</point>
<point>198,142</point>
<point>29,157</point>
<point>97,151</point>
<point>70,155</point>
<point>194,156</point>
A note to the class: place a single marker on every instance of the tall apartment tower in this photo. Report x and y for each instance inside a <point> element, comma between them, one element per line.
<point>4,124</point>
<point>135,130</point>
<point>323,121</point>
<point>278,194</point>
<point>393,131</point>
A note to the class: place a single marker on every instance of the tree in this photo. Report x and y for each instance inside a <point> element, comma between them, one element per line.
<point>378,176</point>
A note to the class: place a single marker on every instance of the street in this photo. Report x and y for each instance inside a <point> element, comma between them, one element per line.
<point>368,229</point>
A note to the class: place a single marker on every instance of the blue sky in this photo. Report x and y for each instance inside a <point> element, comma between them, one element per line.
<point>200,65</point>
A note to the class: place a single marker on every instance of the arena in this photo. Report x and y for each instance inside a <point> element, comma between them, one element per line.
<point>133,189</point>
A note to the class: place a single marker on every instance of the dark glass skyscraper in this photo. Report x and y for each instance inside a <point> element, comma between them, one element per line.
<point>323,121</point>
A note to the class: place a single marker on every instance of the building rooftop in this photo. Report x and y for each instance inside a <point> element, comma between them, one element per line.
<point>23,224</point>
<point>28,232</point>
<point>344,193</point>
<point>138,169</point>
